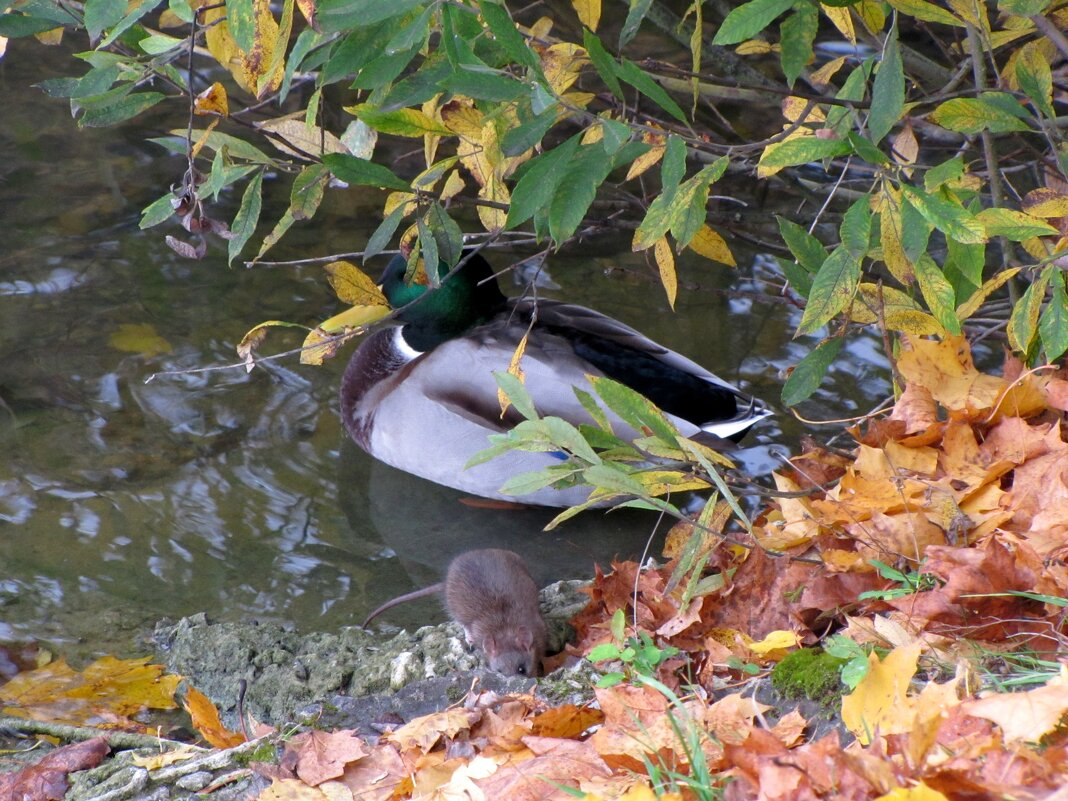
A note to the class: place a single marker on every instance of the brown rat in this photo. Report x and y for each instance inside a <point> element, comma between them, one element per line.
<point>491,594</point>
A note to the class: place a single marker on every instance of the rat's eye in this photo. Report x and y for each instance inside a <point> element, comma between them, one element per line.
<point>522,670</point>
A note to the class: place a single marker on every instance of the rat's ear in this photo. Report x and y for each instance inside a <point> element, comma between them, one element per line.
<point>524,638</point>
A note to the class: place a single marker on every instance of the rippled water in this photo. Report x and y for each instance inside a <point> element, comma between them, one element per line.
<point>122,501</point>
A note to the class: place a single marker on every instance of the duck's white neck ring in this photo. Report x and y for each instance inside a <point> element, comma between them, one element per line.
<point>401,346</point>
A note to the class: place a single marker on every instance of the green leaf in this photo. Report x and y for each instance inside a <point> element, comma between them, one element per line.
<point>401,122</point>
<point>412,35</point>
<point>101,15</point>
<point>237,148</point>
<point>534,480</point>
<point>1023,321</point>
<point>523,137</point>
<point>603,62</point>
<point>632,74</point>
<point>809,372</point>
<point>248,215</point>
<point>866,149</point>
<point>517,394</point>
<point>241,20</point>
<point>888,90</point>
<point>937,292</point>
<point>384,232</point>
<point>577,190</point>
<point>673,165</point>
<point>15,25</point>
<point>337,15</point>
<point>689,208</point>
<point>603,652</point>
<point>947,171</point>
<point>562,433</point>
<point>923,10</point>
<point>1014,225</point>
<point>797,277</point>
<point>1053,325</point>
<point>855,229</point>
<point>951,219</point>
<point>491,86</point>
<point>508,37</point>
<point>796,34</point>
<point>447,234</point>
<point>635,14</point>
<point>128,21</point>
<point>307,192</point>
<point>832,290</point>
<point>158,211</point>
<point>748,20</point>
<point>633,408</point>
<point>618,625</point>
<point>969,261</point>
<point>122,109</point>
<point>384,70</point>
<point>802,150</point>
<point>1035,79</point>
<point>805,248</point>
<point>613,478</point>
<point>284,223</point>
<point>535,190</point>
<point>970,115</point>
<point>354,170</point>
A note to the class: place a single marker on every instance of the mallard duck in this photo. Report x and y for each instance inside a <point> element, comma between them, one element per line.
<point>421,395</point>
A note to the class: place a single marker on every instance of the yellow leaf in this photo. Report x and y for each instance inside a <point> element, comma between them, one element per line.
<point>649,157</point>
<point>513,369</point>
<point>562,63</point>
<point>919,792</point>
<point>775,641</point>
<point>454,185</point>
<point>356,317</point>
<point>665,260</point>
<point>754,47</point>
<point>793,524</point>
<point>972,304</point>
<point>840,18</point>
<point>139,338</point>
<point>212,101</point>
<point>308,141</point>
<point>974,14</point>
<point>593,134</point>
<point>495,190</point>
<point>589,12</point>
<point>353,286</point>
<point>880,703</point>
<point>892,237</point>
<point>394,199</point>
<point>109,687</point>
<point>157,761</point>
<point>712,246</point>
<point>1043,203</point>
<point>462,119</point>
<point>51,38</point>
<point>424,732</point>
<point>823,75</point>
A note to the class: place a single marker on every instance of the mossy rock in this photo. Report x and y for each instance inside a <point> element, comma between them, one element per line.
<point>810,673</point>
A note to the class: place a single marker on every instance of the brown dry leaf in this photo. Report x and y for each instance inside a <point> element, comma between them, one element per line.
<point>46,779</point>
<point>793,523</point>
<point>916,409</point>
<point>423,733</point>
<point>1025,716</point>
<point>731,717</point>
<point>206,720</point>
<point>565,722</point>
<point>888,537</point>
<point>557,764</point>
<point>296,138</point>
<point>790,729</point>
<point>880,703</point>
<point>320,755</point>
<point>109,690</point>
<point>383,774</point>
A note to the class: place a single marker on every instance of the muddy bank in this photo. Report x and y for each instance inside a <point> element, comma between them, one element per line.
<point>292,677</point>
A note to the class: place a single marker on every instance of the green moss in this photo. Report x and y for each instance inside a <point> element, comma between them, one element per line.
<point>266,753</point>
<point>810,673</point>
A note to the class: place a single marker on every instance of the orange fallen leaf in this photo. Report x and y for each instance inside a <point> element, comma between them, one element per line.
<point>206,720</point>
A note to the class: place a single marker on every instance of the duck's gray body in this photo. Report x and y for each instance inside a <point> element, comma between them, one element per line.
<point>428,413</point>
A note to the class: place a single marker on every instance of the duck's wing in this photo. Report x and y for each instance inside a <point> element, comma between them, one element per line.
<point>679,386</point>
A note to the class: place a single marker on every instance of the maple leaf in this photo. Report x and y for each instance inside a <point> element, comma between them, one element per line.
<point>1025,716</point>
<point>324,755</point>
<point>880,703</point>
<point>423,733</point>
<point>205,717</point>
<point>46,779</point>
<point>108,690</point>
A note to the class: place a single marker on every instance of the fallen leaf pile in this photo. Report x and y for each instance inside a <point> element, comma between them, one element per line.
<point>937,547</point>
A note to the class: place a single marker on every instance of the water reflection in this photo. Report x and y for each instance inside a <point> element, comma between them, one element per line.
<point>123,502</point>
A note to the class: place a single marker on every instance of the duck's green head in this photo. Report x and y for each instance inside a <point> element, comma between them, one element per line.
<point>464,300</point>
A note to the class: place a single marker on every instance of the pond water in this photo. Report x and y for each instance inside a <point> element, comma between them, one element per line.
<point>123,502</point>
